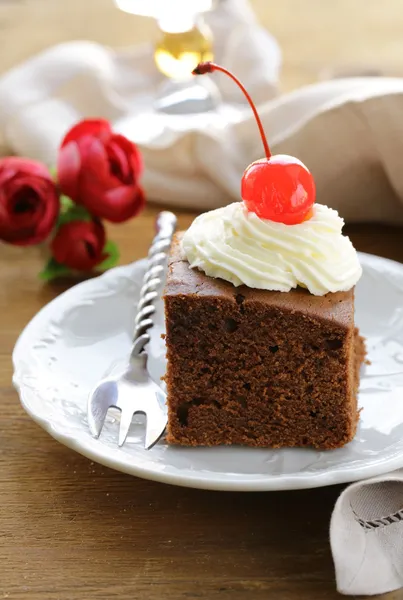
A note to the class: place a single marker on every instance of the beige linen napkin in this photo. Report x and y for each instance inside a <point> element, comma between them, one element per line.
<point>366,535</point>
<point>349,132</point>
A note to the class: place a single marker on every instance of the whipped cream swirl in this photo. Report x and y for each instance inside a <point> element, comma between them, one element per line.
<point>236,245</point>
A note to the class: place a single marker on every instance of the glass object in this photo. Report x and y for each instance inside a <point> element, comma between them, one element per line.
<point>184,41</point>
<point>178,52</point>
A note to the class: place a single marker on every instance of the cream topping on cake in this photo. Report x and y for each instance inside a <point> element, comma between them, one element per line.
<point>236,245</point>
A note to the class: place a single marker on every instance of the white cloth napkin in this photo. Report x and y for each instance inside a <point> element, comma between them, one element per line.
<point>366,535</point>
<point>349,132</point>
<point>42,98</point>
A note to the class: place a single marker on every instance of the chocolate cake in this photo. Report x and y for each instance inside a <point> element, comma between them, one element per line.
<point>257,367</point>
<point>261,344</point>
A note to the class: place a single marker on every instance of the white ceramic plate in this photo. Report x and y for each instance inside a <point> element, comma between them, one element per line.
<point>71,343</point>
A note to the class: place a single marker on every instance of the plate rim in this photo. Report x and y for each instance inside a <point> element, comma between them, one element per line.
<point>96,451</point>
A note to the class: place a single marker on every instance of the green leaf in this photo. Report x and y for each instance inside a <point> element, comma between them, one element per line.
<point>53,172</point>
<point>112,252</point>
<point>65,203</point>
<point>53,269</point>
<point>72,212</point>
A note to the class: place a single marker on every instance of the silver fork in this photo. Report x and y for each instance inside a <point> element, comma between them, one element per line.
<point>133,391</point>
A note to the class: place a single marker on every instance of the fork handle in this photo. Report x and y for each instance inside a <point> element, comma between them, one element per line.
<point>150,290</point>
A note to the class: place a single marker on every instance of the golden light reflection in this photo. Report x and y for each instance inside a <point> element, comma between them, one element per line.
<point>177,54</point>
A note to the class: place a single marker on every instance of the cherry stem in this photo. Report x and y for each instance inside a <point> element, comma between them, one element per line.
<point>209,67</point>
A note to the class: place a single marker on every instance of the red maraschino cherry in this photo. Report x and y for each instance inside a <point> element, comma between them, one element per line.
<point>280,187</point>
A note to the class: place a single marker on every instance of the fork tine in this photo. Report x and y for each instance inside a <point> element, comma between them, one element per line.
<point>100,401</point>
<point>156,420</point>
<point>126,417</point>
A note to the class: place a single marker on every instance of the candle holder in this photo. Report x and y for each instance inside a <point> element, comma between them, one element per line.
<point>184,41</point>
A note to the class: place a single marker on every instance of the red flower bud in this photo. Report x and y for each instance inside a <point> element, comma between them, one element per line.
<point>29,203</point>
<point>79,244</point>
<point>100,170</point>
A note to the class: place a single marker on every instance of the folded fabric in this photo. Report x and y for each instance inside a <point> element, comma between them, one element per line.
<point>348,132</point>
<point>42,98</point>
<point>366,535</point>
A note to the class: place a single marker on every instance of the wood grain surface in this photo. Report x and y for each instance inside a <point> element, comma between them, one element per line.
<point>74,530</point>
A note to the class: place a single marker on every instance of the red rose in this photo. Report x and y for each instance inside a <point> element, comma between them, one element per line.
<point>79,244</point>
<point>100,170</point>
<point>29,203</point>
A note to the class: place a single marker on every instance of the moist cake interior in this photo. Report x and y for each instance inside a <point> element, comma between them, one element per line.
<point>259,368</point>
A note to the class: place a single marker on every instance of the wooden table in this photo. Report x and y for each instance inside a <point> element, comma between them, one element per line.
<point>74,530</point>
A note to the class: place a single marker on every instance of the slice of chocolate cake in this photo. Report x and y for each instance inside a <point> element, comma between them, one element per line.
<point>257,367</point>
<point>261,344</point>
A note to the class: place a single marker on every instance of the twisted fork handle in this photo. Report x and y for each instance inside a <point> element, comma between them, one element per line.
<point>157,258</point>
